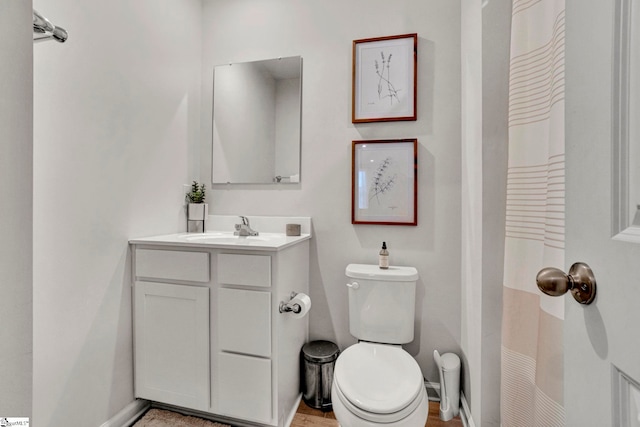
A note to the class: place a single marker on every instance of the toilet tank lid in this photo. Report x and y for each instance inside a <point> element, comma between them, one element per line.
<point>373,272</point>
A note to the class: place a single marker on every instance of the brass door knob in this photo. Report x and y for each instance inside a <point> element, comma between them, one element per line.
<point>580,281</point>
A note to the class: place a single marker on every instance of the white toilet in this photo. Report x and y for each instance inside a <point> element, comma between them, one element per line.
<point>376,381</point>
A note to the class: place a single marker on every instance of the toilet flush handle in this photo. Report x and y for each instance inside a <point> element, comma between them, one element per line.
<point>353,285</point>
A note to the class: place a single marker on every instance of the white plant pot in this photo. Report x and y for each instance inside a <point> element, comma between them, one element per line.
<point>197,211</point>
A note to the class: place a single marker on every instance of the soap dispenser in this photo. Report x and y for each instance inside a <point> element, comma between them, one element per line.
<point>383,259</point>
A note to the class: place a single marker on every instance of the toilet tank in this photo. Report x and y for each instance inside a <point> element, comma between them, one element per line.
<point>382,303</point>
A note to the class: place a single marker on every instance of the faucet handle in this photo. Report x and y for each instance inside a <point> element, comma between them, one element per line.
<point>245,220</point>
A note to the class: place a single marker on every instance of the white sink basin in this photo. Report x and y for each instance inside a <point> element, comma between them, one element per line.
<point>222,238</point>
<point>228,238</point>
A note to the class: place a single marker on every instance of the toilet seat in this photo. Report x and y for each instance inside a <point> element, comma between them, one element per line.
<point>378,382</point>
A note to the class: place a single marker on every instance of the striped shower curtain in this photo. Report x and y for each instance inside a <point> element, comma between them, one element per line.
<point>532,337</point>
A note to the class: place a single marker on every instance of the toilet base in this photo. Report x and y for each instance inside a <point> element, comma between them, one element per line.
<point>346,418</point>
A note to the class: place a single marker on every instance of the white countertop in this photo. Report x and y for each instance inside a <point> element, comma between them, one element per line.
<point>224,240</point>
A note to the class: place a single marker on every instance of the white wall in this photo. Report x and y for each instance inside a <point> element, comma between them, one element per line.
<point>115,121</point>
<point>322,32</point>
<point>472,215</point>
<point>496,28</point>
<point>485,47</point>
<point>16,208</point>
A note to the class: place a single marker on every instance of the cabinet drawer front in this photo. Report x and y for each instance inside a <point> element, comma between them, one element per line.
<point>247,270</point>
<point>172,343</point>
<point>244,321</point>
<point>244,387</point>
<point>172,265</point>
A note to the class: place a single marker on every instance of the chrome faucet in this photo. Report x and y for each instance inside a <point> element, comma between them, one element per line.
<point>244,229</point>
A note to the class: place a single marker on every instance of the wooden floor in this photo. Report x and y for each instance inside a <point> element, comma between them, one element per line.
<point>309,417</point>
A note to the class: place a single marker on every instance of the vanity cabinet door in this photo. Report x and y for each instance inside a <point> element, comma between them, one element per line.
<point>171,333</point>
<point>244,387</point>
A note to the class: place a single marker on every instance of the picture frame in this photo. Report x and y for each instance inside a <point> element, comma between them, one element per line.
<point>384,182</point>
<point>381,90</point>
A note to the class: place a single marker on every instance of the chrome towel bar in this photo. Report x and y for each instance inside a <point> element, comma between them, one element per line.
<point>44,30</point>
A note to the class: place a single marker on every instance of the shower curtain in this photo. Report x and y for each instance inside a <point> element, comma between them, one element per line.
<point>532,337</point>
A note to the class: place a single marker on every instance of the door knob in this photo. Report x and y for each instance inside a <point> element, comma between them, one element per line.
<point>580,281</point>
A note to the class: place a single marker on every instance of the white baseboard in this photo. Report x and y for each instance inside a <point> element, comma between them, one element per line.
<point>289,419</point>
<point>433,390</point>
<point>128,415</point>
<point>465,411</point>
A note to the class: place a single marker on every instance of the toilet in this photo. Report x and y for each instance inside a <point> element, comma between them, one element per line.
<point>376,381</point>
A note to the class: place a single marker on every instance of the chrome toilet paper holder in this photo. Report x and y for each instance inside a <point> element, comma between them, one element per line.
<point>286,307</point>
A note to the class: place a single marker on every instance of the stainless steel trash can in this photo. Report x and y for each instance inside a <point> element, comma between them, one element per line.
<point>318,358</point>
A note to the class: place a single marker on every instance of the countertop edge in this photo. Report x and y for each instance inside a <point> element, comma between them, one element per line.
<point>175,240</point>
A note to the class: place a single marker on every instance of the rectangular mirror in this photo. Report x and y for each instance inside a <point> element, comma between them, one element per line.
<point>256,122</point>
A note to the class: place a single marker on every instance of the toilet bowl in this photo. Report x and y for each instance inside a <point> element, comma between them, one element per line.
<point>376,384</point>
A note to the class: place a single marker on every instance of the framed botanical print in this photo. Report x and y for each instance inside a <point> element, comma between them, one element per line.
<point>384,182</point>
<point>384,78</point>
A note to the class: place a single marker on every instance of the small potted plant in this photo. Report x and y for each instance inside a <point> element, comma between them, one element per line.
<point>197,209</point>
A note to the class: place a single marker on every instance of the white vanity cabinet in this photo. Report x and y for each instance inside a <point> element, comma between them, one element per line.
<point>208,334</point>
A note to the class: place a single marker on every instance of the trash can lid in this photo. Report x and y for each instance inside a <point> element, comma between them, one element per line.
<point>320,351</point>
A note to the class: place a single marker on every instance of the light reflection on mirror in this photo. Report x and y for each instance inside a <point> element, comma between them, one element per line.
<point>256,122</point>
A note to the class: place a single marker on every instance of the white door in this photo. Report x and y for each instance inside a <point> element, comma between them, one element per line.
<point>602,340</point>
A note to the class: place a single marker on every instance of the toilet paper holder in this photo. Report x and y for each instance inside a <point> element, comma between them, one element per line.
<point>285,307</point>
